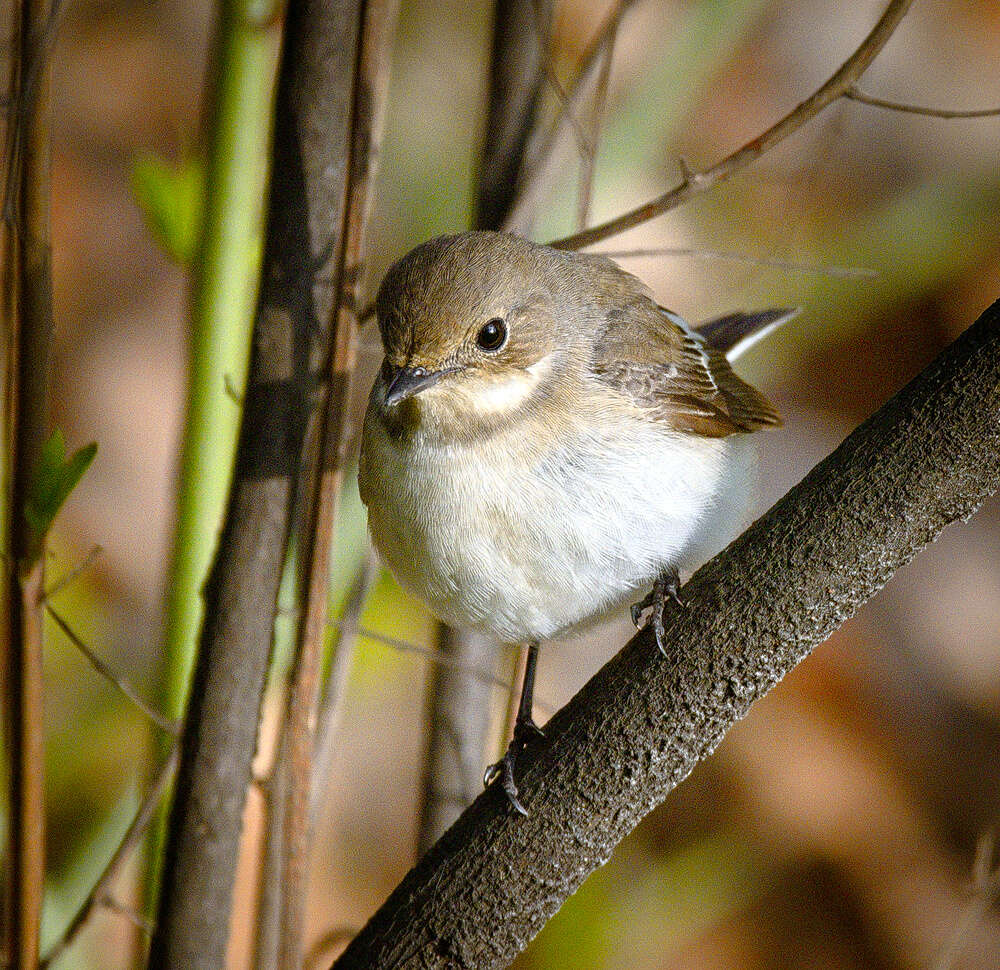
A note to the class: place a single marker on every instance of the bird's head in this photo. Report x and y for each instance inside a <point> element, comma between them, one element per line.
<point>478,329</point>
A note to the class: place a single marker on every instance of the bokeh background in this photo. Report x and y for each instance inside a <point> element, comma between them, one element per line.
<point>836,826</point>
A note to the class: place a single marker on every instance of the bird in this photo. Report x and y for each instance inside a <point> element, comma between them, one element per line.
<point>544,443</point>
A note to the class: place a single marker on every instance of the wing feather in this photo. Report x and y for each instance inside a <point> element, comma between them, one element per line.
<point>652,356</point>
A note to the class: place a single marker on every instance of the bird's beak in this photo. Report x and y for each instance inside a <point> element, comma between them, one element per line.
<point>407,381</point>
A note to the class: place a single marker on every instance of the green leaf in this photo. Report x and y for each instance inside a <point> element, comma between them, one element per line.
<point>55,477</point>
<point>171,197</point>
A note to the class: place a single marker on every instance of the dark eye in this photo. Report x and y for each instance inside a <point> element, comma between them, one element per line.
<point>493,335</point>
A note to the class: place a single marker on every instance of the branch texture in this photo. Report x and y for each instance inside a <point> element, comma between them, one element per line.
<point>928,458</point>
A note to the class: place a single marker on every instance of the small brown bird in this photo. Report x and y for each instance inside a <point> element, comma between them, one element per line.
<point>543,442</point>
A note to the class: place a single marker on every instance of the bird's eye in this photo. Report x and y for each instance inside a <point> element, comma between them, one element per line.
<point>492,336</point>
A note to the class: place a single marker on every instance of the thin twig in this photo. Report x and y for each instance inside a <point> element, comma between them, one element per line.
<point>124,687</point>
<point>541,147</point>
<point>330,709</point>
<point>589,166</point>
<point>434,656</point>
<point>371,81</point>
<point>71,577</point>
<point>837,272</point>
<point>142,923</point>
<point>695,183</point>
<point>133,835</point>
<point>543,35</point>
<point>854,93</point>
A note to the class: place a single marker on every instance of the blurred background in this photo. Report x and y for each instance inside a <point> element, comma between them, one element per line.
<point>836,826</point>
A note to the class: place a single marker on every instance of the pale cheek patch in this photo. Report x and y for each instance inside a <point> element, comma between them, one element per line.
<point>489,395</point>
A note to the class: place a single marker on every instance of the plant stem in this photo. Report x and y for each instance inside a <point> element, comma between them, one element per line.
<point>223,291</point>
<point>224,287</point>
<point>370,85</point>
<point>28,298</point>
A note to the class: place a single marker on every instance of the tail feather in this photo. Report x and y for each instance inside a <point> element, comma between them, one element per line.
<point>735,333</point>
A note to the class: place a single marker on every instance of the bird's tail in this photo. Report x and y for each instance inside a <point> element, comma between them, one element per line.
<point>735,333</point>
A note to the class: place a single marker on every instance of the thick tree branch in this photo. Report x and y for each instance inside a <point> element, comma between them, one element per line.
<point>694,183</point>
<point>928,458</point>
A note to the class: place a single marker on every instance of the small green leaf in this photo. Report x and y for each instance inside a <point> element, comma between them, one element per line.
<point>171,197</point>
<point>55,477</point>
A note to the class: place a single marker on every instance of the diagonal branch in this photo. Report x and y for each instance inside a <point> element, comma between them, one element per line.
<point>926,459</point>
<point>124,687</point>
<point>98,894</point>
<point>540,148</point>
<point>694,183</point>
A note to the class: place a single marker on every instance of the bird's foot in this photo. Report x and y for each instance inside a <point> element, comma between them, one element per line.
<point>667,586</point>
<point>524,731</point>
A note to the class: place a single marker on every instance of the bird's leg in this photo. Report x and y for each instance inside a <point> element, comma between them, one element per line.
<point>524,730</point>
<point>666,586</point>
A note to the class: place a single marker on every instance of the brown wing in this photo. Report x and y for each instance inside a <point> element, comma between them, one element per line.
<point>649,354</point>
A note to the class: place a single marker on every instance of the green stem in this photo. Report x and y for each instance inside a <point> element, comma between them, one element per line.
<point>225,279</point>
<point>224,289</point>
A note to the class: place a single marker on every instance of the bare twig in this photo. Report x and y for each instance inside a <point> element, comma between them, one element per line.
<point>142,923</point>
<point>694,183</point>
<point>928,458</point>
<point>854,93</point>
<point>589,166</point>
<point>434,656</point>
<point>124,687</point>
<point>540,149</point>
<point>835,272</point>
<point>542,10</point>
<point>370,84</point>
<point>132,837</point>
<point>328,720</point>
<point>985,893</point>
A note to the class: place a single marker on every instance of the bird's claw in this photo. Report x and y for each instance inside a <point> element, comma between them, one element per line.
<point>665,587</point>
<point>504,769</point>
<point>524,731</point>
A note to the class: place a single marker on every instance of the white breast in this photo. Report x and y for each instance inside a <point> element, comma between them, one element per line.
<point>525,541</point>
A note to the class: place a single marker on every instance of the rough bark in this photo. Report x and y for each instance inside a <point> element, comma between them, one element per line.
<point>291,342</point>
<point>928,458</point>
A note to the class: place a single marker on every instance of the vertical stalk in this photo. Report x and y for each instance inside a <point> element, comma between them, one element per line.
<point>28,300</point>
<point>371,81</point>
<point>224,291</point>
<point>224,288</point>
